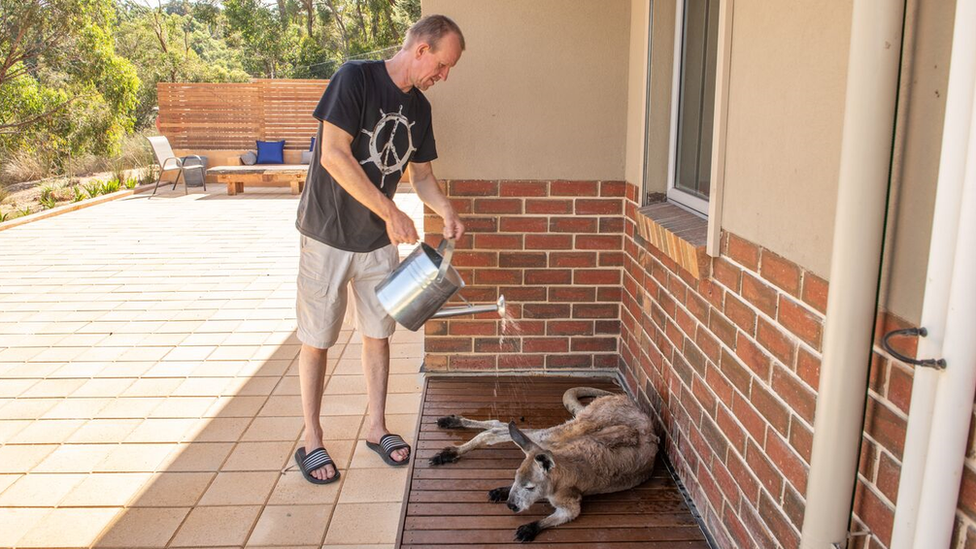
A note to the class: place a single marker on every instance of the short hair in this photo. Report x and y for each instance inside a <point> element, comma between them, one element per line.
<point>432,28</point>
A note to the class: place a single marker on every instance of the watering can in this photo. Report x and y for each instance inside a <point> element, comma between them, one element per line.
<point>423,282</point>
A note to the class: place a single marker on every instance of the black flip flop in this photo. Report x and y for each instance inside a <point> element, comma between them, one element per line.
<point>387,445</point>
<point>316,460</point>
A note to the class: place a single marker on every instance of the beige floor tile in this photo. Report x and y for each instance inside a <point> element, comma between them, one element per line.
<point>349,367</point>
<point>364,523</point>
<point>292,489</point>
<point>172,490</point>
<point>198,456</point>
<point>238,352</point>
<point>135,458</point>
<point>258,456</point>
<point>45,431</point>
<point>359,546</point>
<point>10,388</point>
<point>406,383</point>
<point>245,488</point>
<point>78,370</point>
<point>21,459</point>
<point>28,409</point>
<point>404,425</point>
<point>253,386</point>
<point>216,526</point>
<point>105,430</point>
<point>340,427</point>
<point>10,427</point>
<point>273,368</point>
<point>14,523</point>
<point>161,430</point>
<point>185,407</point>
<point>407,350</point>
<point>236,406</point>
<point>106,490</point>
<point>344,405</point>
<point>218,368</point>
<point>39,490</point>
<point>171,369</point>
<point>403,404</point>
<point>218,429</point>
<point>274,429</point>
<point>144,353</point>
<point>291,524</point>
<point>126,369</point>
<point>282,406</point>
<point>289,385</point>
<point>189,353</point>
<point>204,386</point>
<point>127,408</point>
<point>71,527</point>
<point>346,385</point>
<point>152,387</point>
<point>374,485</point>
<point>144,527</point>
<point>103,387</point>
<point>77,408</point>
<point>7,480</point>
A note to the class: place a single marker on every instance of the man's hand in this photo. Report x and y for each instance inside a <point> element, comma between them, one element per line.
<point>400,228</point>
<point>453,228</point>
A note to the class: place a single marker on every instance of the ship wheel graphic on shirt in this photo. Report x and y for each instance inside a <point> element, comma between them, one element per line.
<point>385,157</point>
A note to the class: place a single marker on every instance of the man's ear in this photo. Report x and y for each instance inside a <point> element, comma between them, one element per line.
<point>519,438</point>
<point>545,460</point>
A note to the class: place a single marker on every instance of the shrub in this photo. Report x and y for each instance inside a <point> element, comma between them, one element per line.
<point>111,186</point>
<point>93,188</point>
<point>48,202</point>
<point>26,210</point>
<point>23,165</point>
<point>131,183</point>
<point>79,194</point>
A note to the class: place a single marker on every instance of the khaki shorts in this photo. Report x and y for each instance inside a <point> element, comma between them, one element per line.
<point>324,276</point>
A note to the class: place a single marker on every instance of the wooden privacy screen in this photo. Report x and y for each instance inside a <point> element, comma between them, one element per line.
<point>232,116</point>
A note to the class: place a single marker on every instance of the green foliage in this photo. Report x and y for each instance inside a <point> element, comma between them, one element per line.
<point>130,183</point>
<point>26,210</point>
<point>111,186</point>
<point>79,194</point>
<point>93,188</point>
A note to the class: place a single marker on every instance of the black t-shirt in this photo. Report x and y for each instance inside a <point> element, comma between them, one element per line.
<point>389,129</point>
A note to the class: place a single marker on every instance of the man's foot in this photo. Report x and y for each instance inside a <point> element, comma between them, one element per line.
<point>323,473</point>
<point>398,455</point>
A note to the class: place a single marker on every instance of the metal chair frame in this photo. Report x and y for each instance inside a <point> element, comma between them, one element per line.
<point>178,164</point>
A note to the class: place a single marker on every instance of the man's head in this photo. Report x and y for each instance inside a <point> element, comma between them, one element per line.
<point>434,45</point>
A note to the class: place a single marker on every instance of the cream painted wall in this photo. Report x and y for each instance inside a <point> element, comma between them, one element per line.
<point>540,93</point>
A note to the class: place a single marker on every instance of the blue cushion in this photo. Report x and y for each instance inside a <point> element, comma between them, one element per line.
<point>311,145</point>
<point>271,152</point>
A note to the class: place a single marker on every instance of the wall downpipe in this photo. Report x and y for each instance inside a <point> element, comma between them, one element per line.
<point>958,135</point>
<point>866,145</point>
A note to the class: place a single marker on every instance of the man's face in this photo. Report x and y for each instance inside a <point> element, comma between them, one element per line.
<point>435,65</point>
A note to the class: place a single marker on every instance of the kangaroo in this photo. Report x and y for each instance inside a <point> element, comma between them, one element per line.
<point>607,447</point>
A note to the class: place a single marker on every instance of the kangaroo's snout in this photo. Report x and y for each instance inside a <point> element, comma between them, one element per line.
<point>513,507</point>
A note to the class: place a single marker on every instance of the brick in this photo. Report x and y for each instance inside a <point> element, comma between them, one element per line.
<point>460,205</point>
<point>631,192</point>
<point>548,206</point>
<point>573,224</point>
<point>573,259</point>
<point>474,259</point>
<point>497,276</point>
<point>740,314</point>
<point>569,327</point>
<point>523,225</point>
<point>548,242</point>
<point>548,276</point>
<point>717,382</point>
<point>473,362</point>
<point>547,310</point>
<point>781,272</point>
<point>723,329</point>
<point>815,291</point>
<point>752,356</point>
<point>801,322</point>
<point>613,188</point>
<point>597,276</point>
<point>476,293</point>
<point>473,188</point>
<point>574,188</point>
<point>754,424</point>
<point>497,206</point>
<point>773,410</point>
<point>611,225</point>
<point>808,368</point>
<point>607,327</point>
<point>776,342</point>
<point>777,523</point>
<point>732,431</point>
<point>743,252</point>
<point>598,242</point>
<point>737,374</point>
<point>569,361</point>
<point>611,360</point>
<point>746,479</point>
<point>796,394</point>
<point>704,396</point>
<point>611,259</point>
<point>448,345</point>
<point>759,294</point>
<point>787,461</point>
<point>709,345</point>
<point>595,310</point>
<point>521,259</point>
<point>900,387</point>
<point>764,469</point>
<point>523,327</point>
<point>497,345</point>
<point>967,492</point>
<point>545,345</point>
<point>573,295</point>
<point>726,273</point>
<point>475,225</point>
<point>523,188</point>
<point>435,327</point>
<point>599,206</point>
<point>521,362</point>
<point>468,328</point>
<point>801,438</point>
<point>889,472</point>
<point>885,427</point>
<point>793,507</point>
<point>876,514</point>
<point>593,344</point>
<point>522,294</point>
<point>713,293</point>
<point>498,242</point>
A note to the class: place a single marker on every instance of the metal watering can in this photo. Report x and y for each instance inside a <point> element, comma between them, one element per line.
<point>423,282</point>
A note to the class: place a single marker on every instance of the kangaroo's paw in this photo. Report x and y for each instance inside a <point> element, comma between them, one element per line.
<point>447,455</point>
<point>499,495</point>
<point>450,422</point>
<point>527,532</point>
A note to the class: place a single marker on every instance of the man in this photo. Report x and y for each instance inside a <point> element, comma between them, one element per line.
<point>375,123</point>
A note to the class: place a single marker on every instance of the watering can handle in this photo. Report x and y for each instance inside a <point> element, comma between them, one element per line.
<point>446,249</point>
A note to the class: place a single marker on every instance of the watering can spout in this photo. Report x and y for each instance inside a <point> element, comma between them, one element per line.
<point>498,306</point>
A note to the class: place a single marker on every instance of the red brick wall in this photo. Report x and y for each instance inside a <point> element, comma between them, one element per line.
<point>553,249</point>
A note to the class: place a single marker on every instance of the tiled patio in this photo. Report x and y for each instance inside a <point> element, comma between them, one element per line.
<point>149,389</point>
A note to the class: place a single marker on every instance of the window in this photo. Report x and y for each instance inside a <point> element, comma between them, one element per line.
<point>693,104</point>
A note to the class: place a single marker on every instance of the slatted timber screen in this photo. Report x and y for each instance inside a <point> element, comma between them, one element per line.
<point>447,506</point>
<point>233,115</point>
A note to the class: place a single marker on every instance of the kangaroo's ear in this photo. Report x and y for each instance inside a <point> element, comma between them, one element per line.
<point>545,460</point>
<point>518,437</point>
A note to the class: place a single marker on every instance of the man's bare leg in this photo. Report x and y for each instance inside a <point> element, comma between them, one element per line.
<point>311,376</point>
<point>376,367</point>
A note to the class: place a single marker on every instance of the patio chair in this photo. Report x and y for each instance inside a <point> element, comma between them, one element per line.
<point>168,162</point>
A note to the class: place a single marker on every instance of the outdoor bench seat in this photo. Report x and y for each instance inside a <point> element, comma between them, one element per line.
<point>261,175</point>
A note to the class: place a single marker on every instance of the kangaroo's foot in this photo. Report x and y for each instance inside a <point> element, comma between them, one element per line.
<point>447,455</point>
<point>528,532</point>
<point>450,422</point>
<point>499,495</point>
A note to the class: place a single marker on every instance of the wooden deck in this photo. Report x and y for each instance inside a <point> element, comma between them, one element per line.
<point>447,506</point>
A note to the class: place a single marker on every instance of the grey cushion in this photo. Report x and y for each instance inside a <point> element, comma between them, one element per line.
<point>306,157</point>
<point>249,158</point>
<point>194,177</point>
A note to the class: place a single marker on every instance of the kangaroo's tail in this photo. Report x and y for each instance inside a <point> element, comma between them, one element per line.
<point>571,397</point>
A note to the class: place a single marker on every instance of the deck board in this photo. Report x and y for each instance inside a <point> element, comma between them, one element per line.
<point>447,506</point>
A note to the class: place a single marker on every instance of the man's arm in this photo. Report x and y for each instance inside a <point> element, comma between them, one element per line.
<point>425,184</point>
<point>337,158</point>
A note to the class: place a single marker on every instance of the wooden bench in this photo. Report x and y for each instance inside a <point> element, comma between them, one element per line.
<point>261,175</point>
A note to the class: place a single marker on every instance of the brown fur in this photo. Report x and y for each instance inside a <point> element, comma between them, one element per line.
<point>608,446</point>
